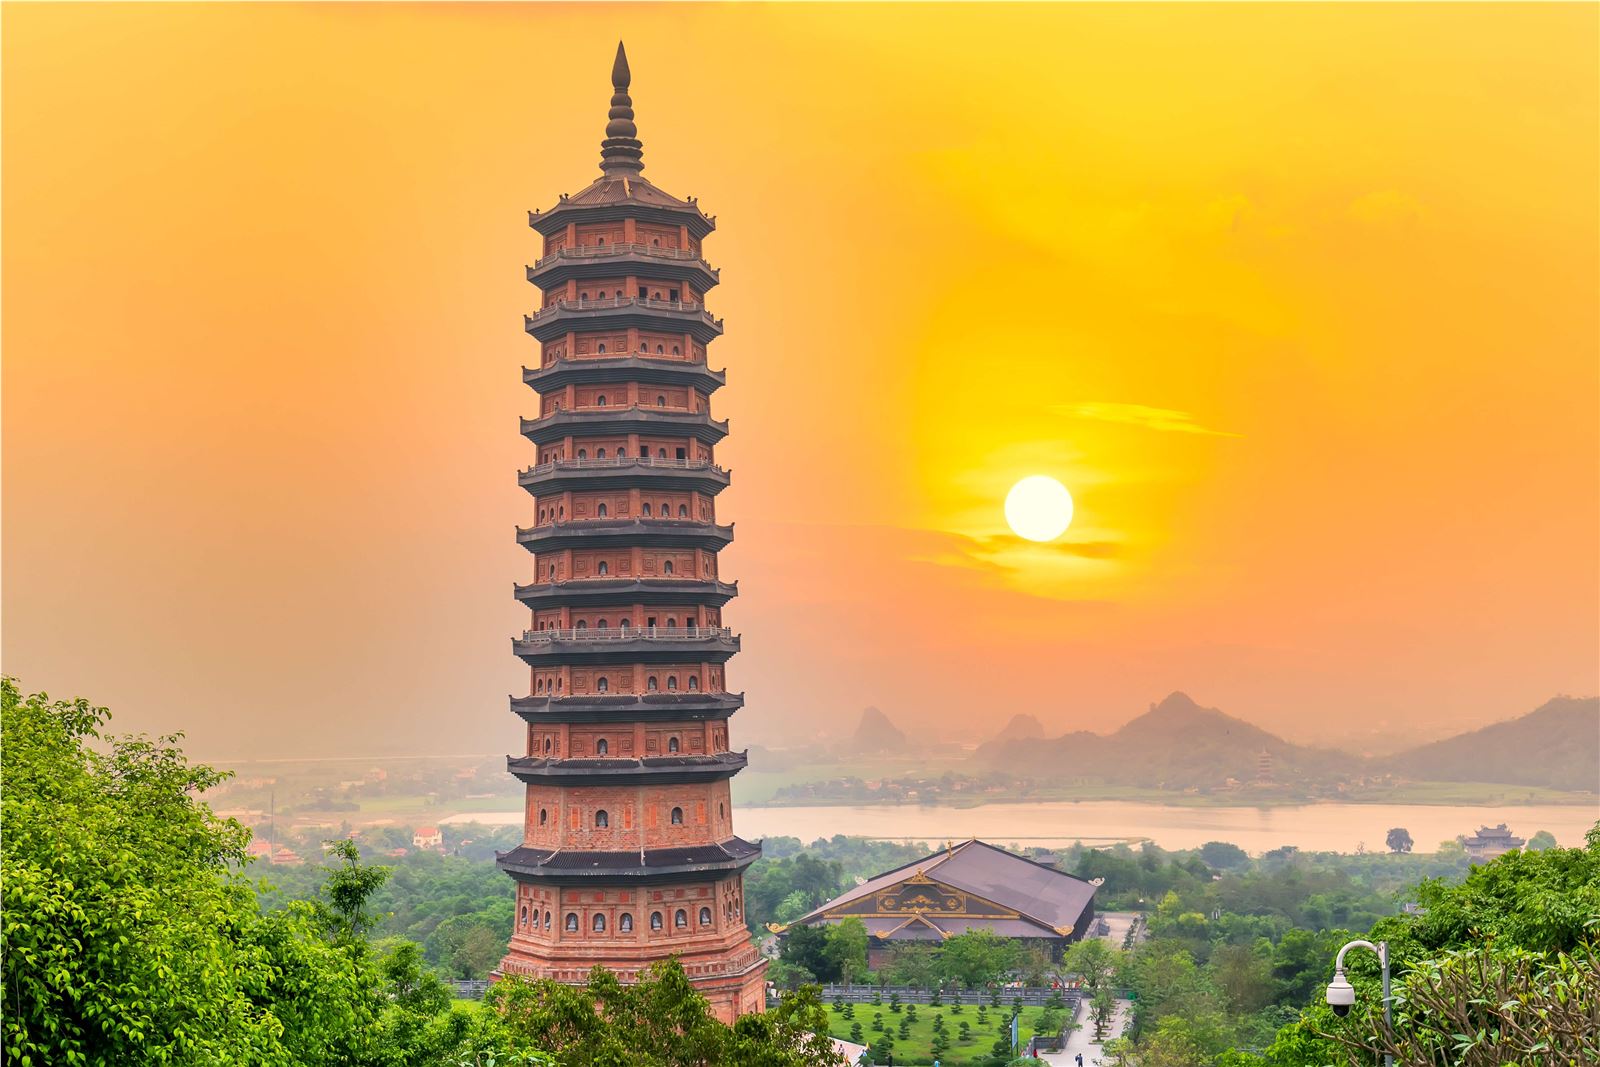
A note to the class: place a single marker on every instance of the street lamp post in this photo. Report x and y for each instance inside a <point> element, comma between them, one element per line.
<point>1342,995</point>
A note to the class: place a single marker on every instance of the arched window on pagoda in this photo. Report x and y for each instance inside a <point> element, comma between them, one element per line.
<point>677,816</point>
<point>672,744</point>
<point>680,919</point>
<point>655,920</point>
<point>705,916</point>
<point>602,685</point>
<point>602,568</point>
<point>572,922</point>
<point>625,923</point>
<point>601,819</point>
<point>599,924</point>
<point>666,568</point>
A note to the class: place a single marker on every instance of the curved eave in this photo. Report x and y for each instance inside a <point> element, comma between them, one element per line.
<point>557,321</point>
<point>554,478</point>
<point>645,533</point>
<point>628,650</point>
<point>633,707</point>
<point>666,592</point>
<point>558,270</point>
<point>560,373</point>
<point>549,223</point>
<point>652,770</point>
<point>591,422</point>
<point>642,866</point>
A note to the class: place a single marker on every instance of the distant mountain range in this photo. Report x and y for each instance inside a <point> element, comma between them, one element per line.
<point>1178,744</point>
<point>1556,745</point>
<point>1175,745</point>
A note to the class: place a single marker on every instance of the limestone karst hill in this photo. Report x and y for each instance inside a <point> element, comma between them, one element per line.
<point>1178,744</point>
<point>1175,745</point>
<point>1555,745</point>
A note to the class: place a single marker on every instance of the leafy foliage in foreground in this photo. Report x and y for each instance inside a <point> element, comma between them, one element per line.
<point>126,939</point>
<point>660,1021</point>
<point>1483,1008</point>
<point>130,936</point>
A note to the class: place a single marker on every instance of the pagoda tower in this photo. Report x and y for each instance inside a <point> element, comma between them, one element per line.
<point>628,854</point>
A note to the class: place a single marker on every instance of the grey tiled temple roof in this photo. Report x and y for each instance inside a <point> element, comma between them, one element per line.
<point>1041,895</point>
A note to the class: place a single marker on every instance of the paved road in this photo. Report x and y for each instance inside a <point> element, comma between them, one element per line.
<point>1082,1039</point>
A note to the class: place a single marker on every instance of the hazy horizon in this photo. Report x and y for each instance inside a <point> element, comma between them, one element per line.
<point>1319,364</point>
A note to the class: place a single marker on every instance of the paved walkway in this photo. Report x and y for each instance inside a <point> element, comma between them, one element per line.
<point>1082,1039</point>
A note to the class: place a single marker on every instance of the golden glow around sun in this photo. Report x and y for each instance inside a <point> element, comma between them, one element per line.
<point>1039,508</point>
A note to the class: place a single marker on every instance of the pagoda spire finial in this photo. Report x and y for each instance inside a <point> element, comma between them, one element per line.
<point>621,150</point>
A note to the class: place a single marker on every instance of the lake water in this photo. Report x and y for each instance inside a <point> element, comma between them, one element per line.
<point>1310,827</point>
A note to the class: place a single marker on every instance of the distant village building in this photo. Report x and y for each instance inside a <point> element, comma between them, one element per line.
<point>428,837</point>
<point>286,857</point>
<point>970,886</point>
<point>1492,841</point>
<point>1264,768</point>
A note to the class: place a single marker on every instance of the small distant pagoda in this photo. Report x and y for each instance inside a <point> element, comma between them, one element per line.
<point>628,853</point>
<point>1491,842</point>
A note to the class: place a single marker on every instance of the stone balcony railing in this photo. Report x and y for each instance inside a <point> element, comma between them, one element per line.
<point>609,251</point>
<point>613,303</point>
<point>630,633</point>
<point>620,461</point>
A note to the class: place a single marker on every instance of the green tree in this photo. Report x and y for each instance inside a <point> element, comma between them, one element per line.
<point>1223,855</point>
<point>1484,1008</point>
<point>846,948</point>
<point>913,965</point>
<point>1243,975</point>
<point>1542,840</point>
<point>976,957</point>
<point>658,1021</point>
<point>1092,960</point>
<point>127,935</point>
<point>792,907</point>
<point>1399,840</point>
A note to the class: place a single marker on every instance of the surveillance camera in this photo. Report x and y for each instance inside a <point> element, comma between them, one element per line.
<point>1341,995</point>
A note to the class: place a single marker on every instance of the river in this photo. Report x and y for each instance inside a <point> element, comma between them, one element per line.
<point>1310,827</point>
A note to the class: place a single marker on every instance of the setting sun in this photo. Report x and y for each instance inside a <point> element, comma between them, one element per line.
<point>1039,508</point>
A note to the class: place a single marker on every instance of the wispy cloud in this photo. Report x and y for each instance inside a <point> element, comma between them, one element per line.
<point>1166,420</point>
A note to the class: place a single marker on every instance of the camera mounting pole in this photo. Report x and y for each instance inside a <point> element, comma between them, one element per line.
<point>1341,983</point>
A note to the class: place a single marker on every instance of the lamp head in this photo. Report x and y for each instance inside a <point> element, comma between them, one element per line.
<point>1341,994</point>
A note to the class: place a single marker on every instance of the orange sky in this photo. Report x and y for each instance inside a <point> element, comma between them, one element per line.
<point>1299,301</point>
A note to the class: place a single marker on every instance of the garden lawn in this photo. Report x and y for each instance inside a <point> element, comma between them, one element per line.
<point>917,1049</point>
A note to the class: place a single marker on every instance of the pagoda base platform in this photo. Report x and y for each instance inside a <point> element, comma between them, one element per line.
<point>734,984</point>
